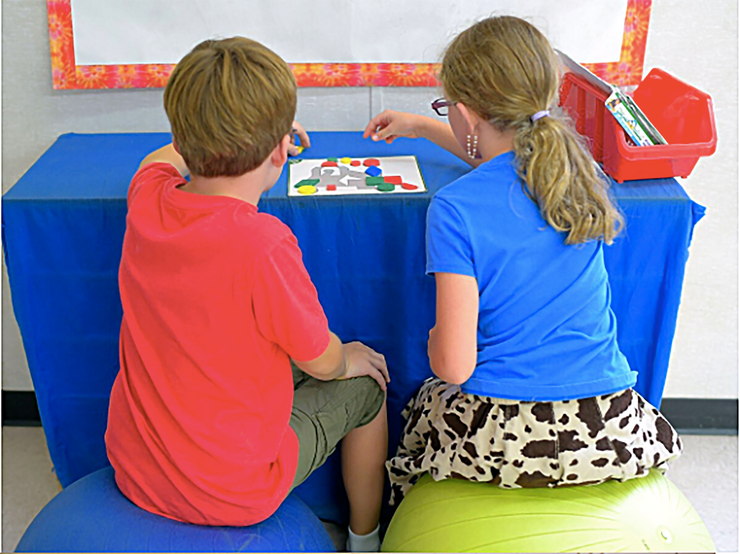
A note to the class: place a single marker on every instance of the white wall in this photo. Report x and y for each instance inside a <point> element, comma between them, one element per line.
<point>696,40</point>
<point>692,39</point>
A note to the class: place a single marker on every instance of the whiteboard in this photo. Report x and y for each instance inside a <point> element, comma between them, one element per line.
<point>123,32</point>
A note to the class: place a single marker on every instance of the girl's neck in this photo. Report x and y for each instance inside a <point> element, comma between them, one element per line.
<point>492,143</point>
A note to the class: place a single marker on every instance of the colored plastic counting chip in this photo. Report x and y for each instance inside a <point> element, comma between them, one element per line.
<point>330,163</point>
<point>307,183</point>
<point>300,149</point>
<point>307,189</point>
<point>355,163</point>
<point>373,171</point>
<point>333,159</point>
<point>345,160</point>
<point>331,187</point>
<point>386,187</point>
<point>374,181</point>
<point>395,179</point>
<point>407,186</point>
<point>371,162</point>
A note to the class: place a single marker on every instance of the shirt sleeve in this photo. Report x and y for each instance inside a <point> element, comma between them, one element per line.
<point>286,304</point>
<point>153,175</point>
<point>448,241</point>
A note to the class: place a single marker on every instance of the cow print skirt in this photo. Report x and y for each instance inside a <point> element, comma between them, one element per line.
<point>514,444</point>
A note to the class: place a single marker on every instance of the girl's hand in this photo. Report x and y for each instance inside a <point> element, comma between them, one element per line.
<point>390,125</point>
<point>363,360</point>
<point>298,129</point>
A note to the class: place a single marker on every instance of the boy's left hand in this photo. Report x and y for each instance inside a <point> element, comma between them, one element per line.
<point>293,149</point>
<point>363,360</point>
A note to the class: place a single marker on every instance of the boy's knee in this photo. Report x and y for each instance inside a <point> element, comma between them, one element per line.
<point>372,389</point>
<point>373,398</point>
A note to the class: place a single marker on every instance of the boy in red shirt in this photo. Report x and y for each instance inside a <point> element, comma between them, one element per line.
<point>207,422</point>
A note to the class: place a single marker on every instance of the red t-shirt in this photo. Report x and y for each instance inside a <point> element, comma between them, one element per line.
<point>215,300</point>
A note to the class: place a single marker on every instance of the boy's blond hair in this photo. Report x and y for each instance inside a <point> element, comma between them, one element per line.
<point>505,70</point>
<point>229,103</point>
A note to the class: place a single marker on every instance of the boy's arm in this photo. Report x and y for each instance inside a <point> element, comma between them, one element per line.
<point>288,313</point>
<point>169,155</point>
<point>345,361</point>
<point>330,365</point>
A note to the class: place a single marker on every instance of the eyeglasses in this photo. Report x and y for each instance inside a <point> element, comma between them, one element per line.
<point>441,106</point>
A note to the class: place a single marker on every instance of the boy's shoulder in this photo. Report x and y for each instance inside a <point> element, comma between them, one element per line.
<point>152,176</point>
<point>261,235</point>
<point>243,222</point>
<point>272,229</point>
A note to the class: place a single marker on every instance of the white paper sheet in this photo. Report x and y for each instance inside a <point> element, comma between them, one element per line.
<point>346,179</point>
<point>112,32</point>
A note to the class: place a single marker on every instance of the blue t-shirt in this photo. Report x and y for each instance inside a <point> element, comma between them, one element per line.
<point>546,330</point>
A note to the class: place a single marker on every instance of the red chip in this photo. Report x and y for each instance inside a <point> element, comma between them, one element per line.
<point>331,187</point>
<point>329,164</point>
<point>395,179</point>
<point>370,162</point>
<point>408,186</point>
<point>355,163</point>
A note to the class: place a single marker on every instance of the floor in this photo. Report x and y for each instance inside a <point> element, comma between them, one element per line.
<point>707,474</point>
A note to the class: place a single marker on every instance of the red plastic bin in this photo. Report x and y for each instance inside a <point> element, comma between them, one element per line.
<point>584,103</point>
<point>682,114</point>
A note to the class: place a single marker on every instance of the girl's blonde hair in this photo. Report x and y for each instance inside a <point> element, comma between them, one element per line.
<point>505,70</point>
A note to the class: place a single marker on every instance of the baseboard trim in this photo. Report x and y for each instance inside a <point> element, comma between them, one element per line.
<point>20,409</point>
<point>702,416</point>
<point>693,416</point>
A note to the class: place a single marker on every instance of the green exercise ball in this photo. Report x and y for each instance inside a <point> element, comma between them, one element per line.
<point>648,514</point>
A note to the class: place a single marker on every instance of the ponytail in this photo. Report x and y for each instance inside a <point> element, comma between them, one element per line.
<point>560,176</point>
<point>505,70</point>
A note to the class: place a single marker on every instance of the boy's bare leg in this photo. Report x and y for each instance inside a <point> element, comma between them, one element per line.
<point>364,451</point>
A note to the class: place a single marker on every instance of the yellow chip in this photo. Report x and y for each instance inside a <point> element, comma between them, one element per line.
<point>307,189</point>
<point>345,160</point>
<point>300,149</point>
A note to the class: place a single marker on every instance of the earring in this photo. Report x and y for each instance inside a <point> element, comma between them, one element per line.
<point>472,147</point>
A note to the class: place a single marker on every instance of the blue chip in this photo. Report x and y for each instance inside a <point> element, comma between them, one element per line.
<point>373,171</point>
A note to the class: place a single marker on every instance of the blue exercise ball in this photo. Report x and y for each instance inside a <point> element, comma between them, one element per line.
<point>92,515</point>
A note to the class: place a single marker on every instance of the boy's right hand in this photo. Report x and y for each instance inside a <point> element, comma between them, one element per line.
<point>363,360</point>
<point>389,125</point>
<point>300,132</point>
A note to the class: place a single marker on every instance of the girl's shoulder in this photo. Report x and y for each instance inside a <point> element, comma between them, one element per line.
<point>500,170</point>
<point>493,182</point>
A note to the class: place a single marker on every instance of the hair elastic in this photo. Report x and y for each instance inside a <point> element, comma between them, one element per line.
<point>540,115</point>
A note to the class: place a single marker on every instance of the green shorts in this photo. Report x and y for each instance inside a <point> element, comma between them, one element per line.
<point>325,411</point>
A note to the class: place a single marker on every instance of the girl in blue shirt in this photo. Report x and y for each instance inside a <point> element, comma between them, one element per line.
<point>531,389</point>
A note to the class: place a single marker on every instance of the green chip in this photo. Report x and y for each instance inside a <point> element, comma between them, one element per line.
<point>307,182</point>
<point>333,159</point>
<point>386,187</point>
<point>374,181</point>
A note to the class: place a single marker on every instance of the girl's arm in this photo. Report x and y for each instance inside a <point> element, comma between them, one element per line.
<point>453,345</point>
<point>389,125</point>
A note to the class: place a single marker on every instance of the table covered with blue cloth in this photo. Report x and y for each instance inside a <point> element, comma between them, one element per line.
<point>63,226</point>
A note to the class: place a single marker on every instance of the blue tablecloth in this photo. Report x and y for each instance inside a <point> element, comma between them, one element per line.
<point>63,226</point>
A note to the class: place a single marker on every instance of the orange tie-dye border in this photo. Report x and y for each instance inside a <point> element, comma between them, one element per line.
<point>67,75</point>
